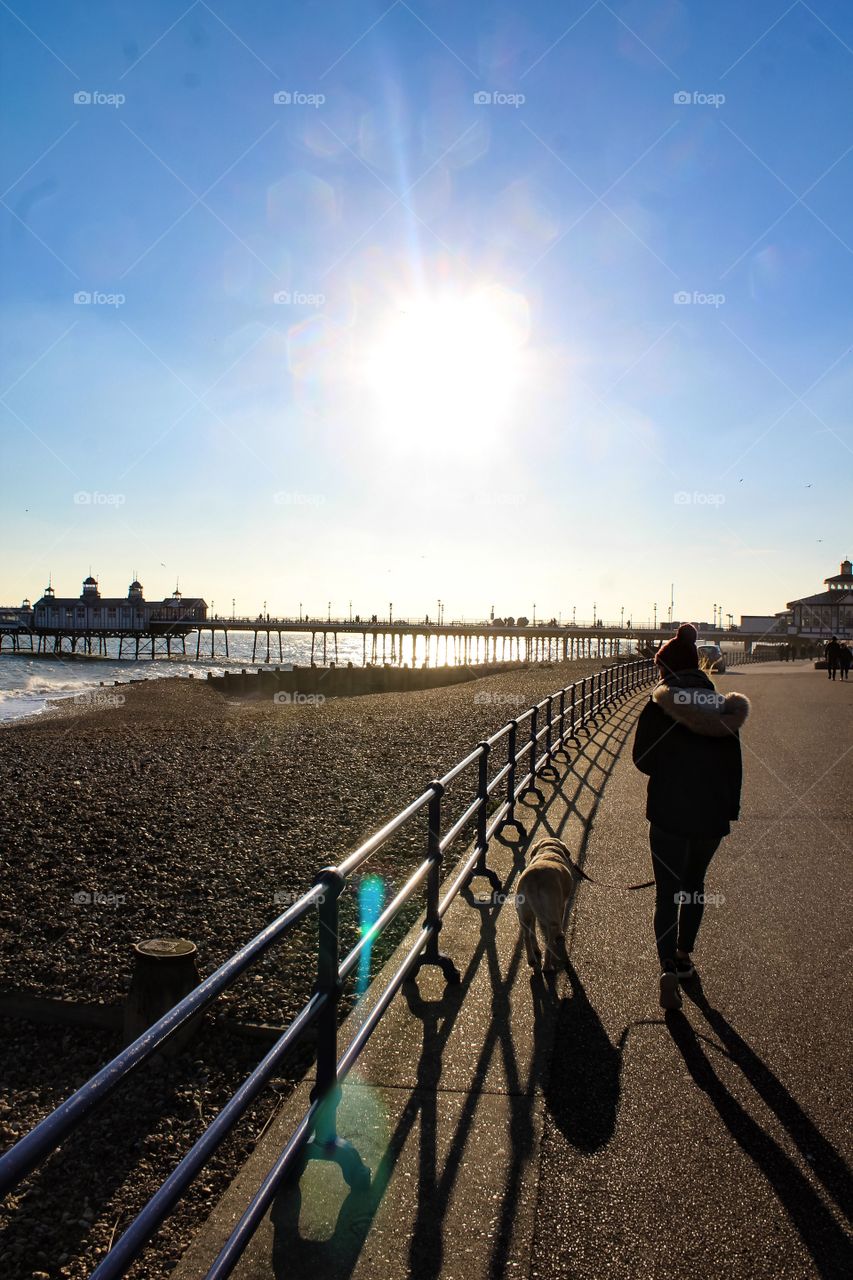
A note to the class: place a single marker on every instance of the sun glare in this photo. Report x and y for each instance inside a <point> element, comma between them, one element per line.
<point>448,367</point>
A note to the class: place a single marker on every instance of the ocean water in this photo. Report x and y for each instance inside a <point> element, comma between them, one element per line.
<point>28,683</point>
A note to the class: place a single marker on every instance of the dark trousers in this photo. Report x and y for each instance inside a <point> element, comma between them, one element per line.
<point>679,863</point>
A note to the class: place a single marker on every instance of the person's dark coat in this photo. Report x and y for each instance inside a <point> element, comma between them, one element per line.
<point>832,653</point>
<point>687,742</point>
<point>845,657</point>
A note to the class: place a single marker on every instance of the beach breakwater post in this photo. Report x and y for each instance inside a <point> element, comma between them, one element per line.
<point>164,972</point>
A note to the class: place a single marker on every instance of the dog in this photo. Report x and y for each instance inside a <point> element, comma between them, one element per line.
<point>544,896</point>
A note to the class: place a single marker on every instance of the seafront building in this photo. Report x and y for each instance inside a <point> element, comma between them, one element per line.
<point>828,613</point>
<point>90,611</point>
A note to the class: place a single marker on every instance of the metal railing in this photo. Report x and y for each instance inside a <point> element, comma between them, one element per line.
<point>532,740</point>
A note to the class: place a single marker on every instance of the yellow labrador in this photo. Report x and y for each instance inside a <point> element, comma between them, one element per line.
<point>544,896</point>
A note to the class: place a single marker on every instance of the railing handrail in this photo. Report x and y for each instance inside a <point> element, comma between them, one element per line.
<point>568,711</point>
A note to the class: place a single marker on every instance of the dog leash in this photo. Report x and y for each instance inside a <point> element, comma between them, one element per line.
<point>603,884</point>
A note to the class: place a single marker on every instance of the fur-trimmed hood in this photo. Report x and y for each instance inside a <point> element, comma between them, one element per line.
<point>697,705</point>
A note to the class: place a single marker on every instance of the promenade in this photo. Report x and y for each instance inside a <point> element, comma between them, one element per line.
<point>574,1131</point>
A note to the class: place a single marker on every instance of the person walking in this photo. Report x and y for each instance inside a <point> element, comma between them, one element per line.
<point>845,660</point>
<point>687,743</point>
<point>832,653</point>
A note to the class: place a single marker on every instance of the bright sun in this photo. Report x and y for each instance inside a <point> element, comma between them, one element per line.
<point>448,367</point>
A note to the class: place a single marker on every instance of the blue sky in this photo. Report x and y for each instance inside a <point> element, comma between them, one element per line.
<point>186,423</point>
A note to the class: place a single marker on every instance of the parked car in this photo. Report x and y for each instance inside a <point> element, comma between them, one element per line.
<point>712,658</point>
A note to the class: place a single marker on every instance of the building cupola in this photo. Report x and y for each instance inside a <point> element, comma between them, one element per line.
<point>134,591</point>
<point>90,589</point>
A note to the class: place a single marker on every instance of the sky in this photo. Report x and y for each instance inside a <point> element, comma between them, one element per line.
<point>385,303</point>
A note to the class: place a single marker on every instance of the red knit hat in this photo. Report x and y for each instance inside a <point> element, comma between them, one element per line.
<point>679,653</point>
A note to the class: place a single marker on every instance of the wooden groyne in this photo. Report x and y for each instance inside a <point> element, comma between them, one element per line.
<point>318,683</point>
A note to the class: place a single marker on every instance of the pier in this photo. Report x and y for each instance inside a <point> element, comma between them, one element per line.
<point>395,642</point>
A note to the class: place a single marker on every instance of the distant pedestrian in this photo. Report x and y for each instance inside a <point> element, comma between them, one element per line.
<point>687,742</point>
<point>832,653</point>
<point>845,660</point>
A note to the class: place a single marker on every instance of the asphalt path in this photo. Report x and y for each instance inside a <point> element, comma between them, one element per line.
<point>712,1142</point>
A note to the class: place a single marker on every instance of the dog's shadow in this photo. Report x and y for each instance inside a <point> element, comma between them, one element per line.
<point>583,1079</point>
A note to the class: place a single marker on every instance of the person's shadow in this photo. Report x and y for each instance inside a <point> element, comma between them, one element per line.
<point>825,1240</point>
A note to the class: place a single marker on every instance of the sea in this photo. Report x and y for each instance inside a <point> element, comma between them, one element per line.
<point>28,683</point>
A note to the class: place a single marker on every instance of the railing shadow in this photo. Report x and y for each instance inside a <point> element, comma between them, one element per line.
<point>587,1118</point>
<point>827,1243</point>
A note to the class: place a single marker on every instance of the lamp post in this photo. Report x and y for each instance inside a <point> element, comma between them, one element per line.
<point>329,612</point>
<point>266,615</point>
<point>656,618</point>
<point>573,614</point>
<point>534,615</point>
<point>350,610</point>
<point>390,612</point>
<point>300,610</point>
<point>233,607</point>
<point>623,616</point>
<point>212,609</point>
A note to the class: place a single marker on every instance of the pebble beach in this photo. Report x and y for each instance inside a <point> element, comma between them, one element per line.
<point>174,810</point>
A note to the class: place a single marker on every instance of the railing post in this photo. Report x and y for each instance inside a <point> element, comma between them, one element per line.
<point>431,953</point>
<point>534,729</point>
<point>510,777</point>
<point>572,713</point>
<point>549,713</point>
<point>480,868</point>
<point>582,724</point>
<point>562,717</point>
<point>328,957</point>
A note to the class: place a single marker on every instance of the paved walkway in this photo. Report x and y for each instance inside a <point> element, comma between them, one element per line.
<point>512,1129</point>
